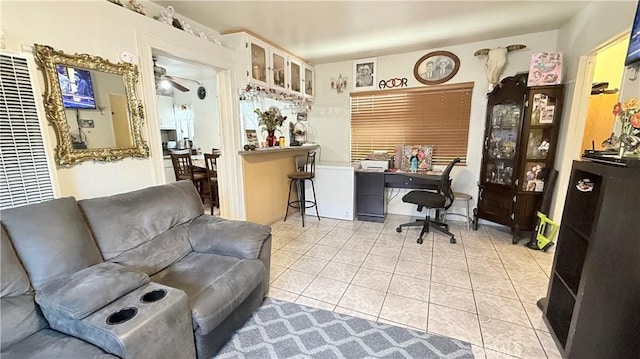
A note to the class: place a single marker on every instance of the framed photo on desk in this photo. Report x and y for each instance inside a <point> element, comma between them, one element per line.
<point>413,158</point>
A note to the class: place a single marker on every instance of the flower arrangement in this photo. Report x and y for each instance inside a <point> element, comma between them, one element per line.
<point>270,119</point>
<point>628,113</point>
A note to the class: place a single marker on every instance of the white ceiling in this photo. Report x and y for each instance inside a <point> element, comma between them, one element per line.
<point>328,31</point>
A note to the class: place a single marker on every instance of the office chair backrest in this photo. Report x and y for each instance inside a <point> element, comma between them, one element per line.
<point>445,183</point>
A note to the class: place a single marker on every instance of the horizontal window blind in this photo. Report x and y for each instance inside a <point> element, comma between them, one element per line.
<point>436,116</point>
<point>24,170</point>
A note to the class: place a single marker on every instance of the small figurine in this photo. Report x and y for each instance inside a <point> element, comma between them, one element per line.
<point>136,6</point>
<point>413,160</point>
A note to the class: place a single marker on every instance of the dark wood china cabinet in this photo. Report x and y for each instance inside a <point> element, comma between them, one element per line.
<point>520,140</point>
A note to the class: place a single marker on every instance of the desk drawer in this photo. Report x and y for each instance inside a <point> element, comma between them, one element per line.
<point>370,206</point>
<point>401,181</point>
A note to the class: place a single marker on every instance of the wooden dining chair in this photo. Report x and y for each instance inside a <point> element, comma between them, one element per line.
<point>184,170</point>
<point>211,164</point>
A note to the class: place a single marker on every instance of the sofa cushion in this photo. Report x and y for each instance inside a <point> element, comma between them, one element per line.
<point>48,343</point>
<point>51,239</point>
<point>84,292</point>
<point>239,239</point>
<point>20,317</point>
<point>215,284</point>
<point>158,253</point>
<point>13,279</point>
<point>124,222</point>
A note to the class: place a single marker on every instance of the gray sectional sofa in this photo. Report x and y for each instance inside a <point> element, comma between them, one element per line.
<point>144,274</point>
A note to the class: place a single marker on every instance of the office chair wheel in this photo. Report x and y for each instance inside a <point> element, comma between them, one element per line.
<point>452,240</point>
<point>419,241</point>
<point>399,229</point>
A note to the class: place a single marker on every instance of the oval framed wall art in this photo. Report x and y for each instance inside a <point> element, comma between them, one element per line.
<point>436,67</point>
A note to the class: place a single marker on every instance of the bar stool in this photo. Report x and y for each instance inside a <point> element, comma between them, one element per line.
<point>306,171</point>
<point>459,196</point>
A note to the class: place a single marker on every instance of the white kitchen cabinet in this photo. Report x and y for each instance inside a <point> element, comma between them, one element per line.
<point>166,116</point>
<point>295,74</point>
<point>308,81</point>
<point>267,66</point>
<point>277,70</point>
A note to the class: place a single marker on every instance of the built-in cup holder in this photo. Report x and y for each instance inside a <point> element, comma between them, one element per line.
<point>153,296</point>
<point>122,316</point>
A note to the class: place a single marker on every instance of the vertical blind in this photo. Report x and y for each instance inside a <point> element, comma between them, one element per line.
<point>24,170</point>
<point>436,116</point>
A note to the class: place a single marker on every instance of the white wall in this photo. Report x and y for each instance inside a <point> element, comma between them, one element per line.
<point>594,27</point>
<point>103,29</point>
<point>329,118</point>
<point>206,120</point>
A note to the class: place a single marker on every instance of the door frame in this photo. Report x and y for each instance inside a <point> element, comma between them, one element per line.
<point>230,180</point>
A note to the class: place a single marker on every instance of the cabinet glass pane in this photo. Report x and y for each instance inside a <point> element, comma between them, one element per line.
<point>308,82</point>
<point>501,144</point>
<point>544,108</point>
<point>278,70</point>
<point>538,143</point>
<point>258,63</point>
<point>295,77</point>
<point>535,173</point>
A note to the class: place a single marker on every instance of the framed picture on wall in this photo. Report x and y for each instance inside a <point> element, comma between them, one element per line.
<point>364,73</point>
<point>436,67</point>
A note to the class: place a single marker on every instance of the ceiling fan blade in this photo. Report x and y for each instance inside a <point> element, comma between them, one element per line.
<point>178,86</point>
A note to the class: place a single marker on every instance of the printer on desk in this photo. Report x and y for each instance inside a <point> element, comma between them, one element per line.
<point>374,165</point>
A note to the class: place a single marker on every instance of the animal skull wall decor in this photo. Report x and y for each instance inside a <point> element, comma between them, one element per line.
<point>496,60</point>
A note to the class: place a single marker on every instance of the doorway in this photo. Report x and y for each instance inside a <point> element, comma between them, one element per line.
<point>606,84</point>
<point>188,111</point>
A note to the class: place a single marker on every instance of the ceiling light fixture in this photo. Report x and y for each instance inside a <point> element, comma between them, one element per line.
<point>165,84</point>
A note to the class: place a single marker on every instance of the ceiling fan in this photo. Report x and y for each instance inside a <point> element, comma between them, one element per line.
<point>163,81</point>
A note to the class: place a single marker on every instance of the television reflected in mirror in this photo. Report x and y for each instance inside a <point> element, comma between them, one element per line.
<point>76,86</point>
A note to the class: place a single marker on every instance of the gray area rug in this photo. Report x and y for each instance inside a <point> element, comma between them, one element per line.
<point>281,330</point>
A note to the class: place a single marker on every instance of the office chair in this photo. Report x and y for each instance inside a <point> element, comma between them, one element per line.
<point>436,200</point>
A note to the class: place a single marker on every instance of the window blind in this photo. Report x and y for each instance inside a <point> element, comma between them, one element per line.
<point>435,115</point>
<point>25,176</point>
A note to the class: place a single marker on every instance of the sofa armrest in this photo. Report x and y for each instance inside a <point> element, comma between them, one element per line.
<point>238,239</point>
<point>78,295</point>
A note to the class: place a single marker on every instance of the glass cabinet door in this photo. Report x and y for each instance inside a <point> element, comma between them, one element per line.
<point>295,67</point>
<point>500,143</point>
<point>539,137</point>
<point>308,81</point>
<point>258,71</point>
<point>278,70</point>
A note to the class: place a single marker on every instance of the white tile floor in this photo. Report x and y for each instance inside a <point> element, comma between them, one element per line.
<point>482,290</point>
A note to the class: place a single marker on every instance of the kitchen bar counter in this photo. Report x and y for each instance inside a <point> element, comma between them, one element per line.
<point>264,150</point>
<point>266,185</point>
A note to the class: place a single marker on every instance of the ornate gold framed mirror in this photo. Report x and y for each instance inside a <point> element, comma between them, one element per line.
<point>93,105</point>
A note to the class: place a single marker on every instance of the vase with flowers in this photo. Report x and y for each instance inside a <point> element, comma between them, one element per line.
<point>628,112</point>
<point>270,120</point>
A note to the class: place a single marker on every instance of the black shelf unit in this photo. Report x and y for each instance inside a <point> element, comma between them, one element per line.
<point>594,293</point>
